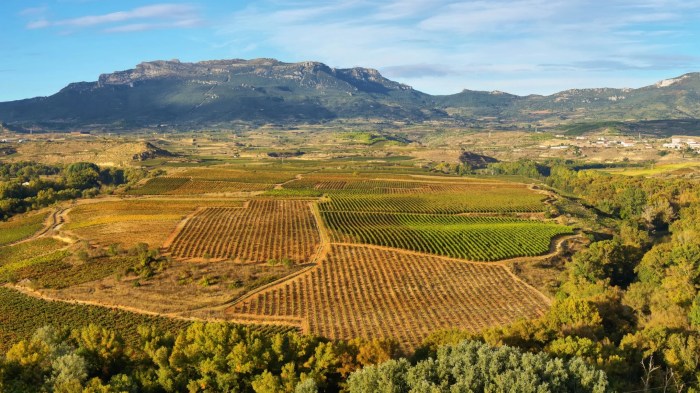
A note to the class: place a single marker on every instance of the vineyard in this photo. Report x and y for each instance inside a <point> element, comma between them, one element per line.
<point>186,186</point>
<point>21,227</point>
<point>26,250</point>
<point>159,185</point>
<point>21,315</point>
<point>477,199</point>
<point>265,230</point>
<point>252,175</point>
<point>128,222</point>
<point>30,259</point>
<point>473,238</point>
<point>361,291</point>
<point>357,184</point>
<point>194,187</point>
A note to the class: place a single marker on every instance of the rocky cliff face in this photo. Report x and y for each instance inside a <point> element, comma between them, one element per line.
<point>309,72</point>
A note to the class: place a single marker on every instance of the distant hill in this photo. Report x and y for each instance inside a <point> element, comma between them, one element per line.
<point>218,92</point>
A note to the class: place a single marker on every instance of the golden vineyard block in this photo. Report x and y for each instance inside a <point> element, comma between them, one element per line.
<point>262,231</point>
<point>365,291</point>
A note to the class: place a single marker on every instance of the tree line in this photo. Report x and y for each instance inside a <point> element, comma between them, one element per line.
<point>26,186</point>
<point>218,357</point>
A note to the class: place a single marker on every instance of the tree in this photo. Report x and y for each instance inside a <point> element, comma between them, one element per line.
<point>694,314</point>
<point>607,259</point>
<point>68,373</point>
<point>388,377</point>
<point>103,349</point>
<point>472,366</point>
<point>82,175</point>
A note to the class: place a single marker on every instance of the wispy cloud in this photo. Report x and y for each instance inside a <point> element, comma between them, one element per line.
<point>34,11</point>
<point>446,45</point>
<point>156,16</point>
<point>417,70</point>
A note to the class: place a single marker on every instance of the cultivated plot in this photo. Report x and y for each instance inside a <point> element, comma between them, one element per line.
<point>470,237</point>
<point>264,231</point>
<point>133,221</point>
<point>363,291</point>
<point>499,199</point>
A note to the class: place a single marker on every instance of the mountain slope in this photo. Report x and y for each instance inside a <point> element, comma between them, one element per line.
<point>218,91</point>
<point>267,90</point>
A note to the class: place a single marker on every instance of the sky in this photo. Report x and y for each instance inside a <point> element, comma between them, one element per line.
<point>436,46</point>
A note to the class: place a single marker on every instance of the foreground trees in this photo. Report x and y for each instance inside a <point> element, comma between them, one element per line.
<point>471,366</point>
<point>218,357</point>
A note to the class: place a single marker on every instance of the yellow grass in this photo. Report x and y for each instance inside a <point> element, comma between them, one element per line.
<point>656,170</point>
<point>133,221</point>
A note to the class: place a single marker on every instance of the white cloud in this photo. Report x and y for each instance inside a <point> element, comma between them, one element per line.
<point>34,11</point>
<point>165,15</point>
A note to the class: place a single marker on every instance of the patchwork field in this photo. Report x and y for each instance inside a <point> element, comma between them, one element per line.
<point>265,230</point>
<point>361,291</point>
<point>375,254</point>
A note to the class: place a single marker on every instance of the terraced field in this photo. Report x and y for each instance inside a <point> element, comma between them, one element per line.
<point>361,291</point>
<point>265,230</point>
<point>473,238</point>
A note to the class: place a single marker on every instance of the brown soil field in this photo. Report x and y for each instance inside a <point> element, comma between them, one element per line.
<point>184,288</point>
<point>265,230</point>
<point>364,291</point>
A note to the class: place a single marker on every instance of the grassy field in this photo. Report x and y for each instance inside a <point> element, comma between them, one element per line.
<point>21,227</point>
<point>132,221</point>
<point>360,291</point>
<point>658,169</point>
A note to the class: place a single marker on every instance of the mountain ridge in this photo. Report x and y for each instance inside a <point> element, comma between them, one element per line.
<point>268,90</point>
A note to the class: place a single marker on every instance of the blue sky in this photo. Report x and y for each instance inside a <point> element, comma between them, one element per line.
<point>436,46</point>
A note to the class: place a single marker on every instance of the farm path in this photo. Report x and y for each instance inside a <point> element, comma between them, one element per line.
<point>280,186</point>
<point>58,217</point>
